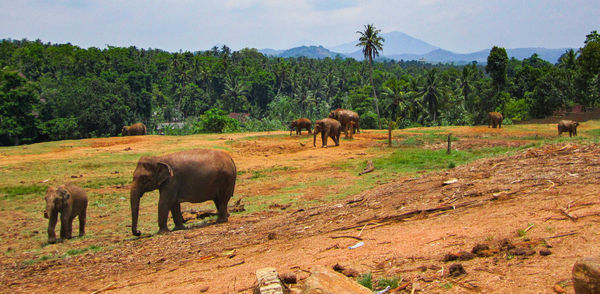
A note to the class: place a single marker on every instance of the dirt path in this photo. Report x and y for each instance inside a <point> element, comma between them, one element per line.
<point>493,199</point>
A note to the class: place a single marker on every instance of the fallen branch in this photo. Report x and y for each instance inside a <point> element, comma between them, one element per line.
<point>368,169</point>
<point>573,218</point>
<point>562,235</point>
<point>416,212</point>
<point>345,236</point>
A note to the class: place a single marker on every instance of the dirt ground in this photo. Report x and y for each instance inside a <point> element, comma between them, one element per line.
<point>538,199</point>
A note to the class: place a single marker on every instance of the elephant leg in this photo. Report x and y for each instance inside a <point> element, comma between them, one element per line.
<point>64,225</point>
<point>70,227</point>
<point>51,226</point>
<point>177,216</point>
<point>82,217</point>
<point>336,139</point>
<point>346,127</point>
<point>164,205</point>
<point>221,205</point>
<point>324,136</point>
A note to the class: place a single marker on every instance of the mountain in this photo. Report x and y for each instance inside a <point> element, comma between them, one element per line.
<point>395,43</point>
<point>318,52</point>
<point>400,46</point>
<point>444,56</point>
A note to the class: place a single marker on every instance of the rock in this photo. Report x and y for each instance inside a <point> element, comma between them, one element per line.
<point>268,281</point>
<point>288,278</point>
<point>462,255</point>
<point>545,252</point>
<point>450,182</point>
<point>456,270</point>
<point>326,281</point>
<point>348,272</point>
<point>480,250</point>
<point>586,275</point>
<point>521,251</point>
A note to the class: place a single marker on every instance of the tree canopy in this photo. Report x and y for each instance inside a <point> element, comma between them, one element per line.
<point>61,91</point>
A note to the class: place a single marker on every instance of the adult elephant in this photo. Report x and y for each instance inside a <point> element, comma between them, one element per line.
<point>188,176</point>
<point>134,130</point>
<point>568,126</point>
<point>328,127</point>
<point>299,124</point>
<point>346,117</point>
<point>495,119</point>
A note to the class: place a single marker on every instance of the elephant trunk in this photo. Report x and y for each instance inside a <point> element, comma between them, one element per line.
<point>315,138</point>
<point>135,196</point>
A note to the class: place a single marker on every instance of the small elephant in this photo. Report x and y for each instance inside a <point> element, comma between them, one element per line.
<point>70,201</point>
<point>328,127</point>
<point>299,124</point>
<point>496,119</point>
<point>568,126</point>
<point>345,117</point>
<point>188,176</point>
<point>134,130</point>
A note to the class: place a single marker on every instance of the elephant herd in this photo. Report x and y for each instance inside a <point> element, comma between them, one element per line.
<point>564,126</point>
<point>331,127</point>
<point>196,176</point>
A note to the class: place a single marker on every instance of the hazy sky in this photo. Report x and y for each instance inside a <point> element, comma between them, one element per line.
<point>457,25</point>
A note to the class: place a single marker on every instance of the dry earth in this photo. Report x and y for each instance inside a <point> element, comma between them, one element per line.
<point>408,226</point>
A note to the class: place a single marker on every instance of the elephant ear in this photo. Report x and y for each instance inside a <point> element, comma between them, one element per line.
<point>163,173</point>
<point>63,194</point>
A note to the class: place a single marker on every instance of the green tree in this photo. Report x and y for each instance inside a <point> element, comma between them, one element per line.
<point>496,67</point>
<point>18,101</point>
<point>371,44</point>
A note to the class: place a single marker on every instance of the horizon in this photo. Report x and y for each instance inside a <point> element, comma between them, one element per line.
<point>458,26</point>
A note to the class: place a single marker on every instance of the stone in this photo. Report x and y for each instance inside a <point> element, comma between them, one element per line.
<point>325,281</point>
<point>586,275</point>
<point>268,281</point>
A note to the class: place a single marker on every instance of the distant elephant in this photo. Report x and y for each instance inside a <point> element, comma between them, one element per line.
<point>345,116</point>
<point>70,201</point>
<point>134,130</point>
<point>495,119</point>
<point>188,176</point>
<point>568,126</point>
<point>328,127</point>
<point>299,124</point>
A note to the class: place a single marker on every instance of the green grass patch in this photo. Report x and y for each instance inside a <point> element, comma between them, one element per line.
<point>366,280</point>
<point>14,191</point>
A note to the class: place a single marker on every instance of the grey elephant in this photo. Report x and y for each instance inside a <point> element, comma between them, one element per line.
<point>134,130</point>
<point>328,127</point>
<point>70,201</point>
<point>568,126</point>
<point>188,176</point>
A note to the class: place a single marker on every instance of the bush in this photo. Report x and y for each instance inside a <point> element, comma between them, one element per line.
<point>60,128</point>
<point>216,120</point>
<point>261,125</point>
<point>368,120</point>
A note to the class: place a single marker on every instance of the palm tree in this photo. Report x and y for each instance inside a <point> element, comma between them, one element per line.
<point>371,43</point>
<point>432,93</point>
<point>234,92</point>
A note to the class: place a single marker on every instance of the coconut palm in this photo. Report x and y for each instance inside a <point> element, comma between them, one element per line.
<point>371,44</point>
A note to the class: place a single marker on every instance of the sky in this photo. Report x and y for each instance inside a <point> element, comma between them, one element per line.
<point>461,26</point>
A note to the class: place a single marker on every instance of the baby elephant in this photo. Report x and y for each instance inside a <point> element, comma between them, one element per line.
<point>568,126</point>
<point>70,201</point>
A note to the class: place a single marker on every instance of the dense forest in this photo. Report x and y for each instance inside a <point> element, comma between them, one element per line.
<point>62,91</point>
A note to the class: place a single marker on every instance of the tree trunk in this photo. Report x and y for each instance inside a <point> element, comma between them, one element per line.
<point>374,92</point>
